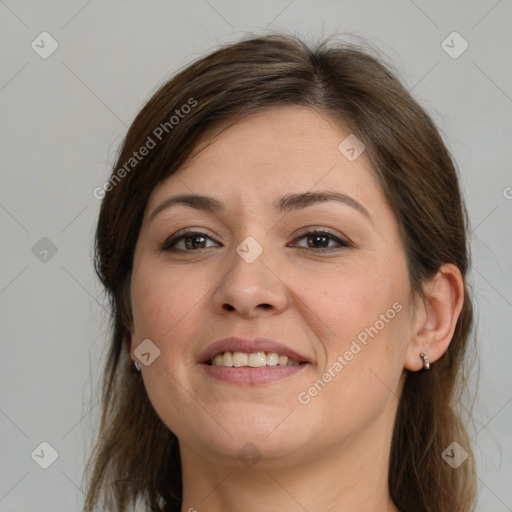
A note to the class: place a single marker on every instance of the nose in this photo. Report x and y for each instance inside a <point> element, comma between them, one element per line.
<point>250,287</point>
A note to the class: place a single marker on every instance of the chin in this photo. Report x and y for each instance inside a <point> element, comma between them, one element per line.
<point>262,431</point>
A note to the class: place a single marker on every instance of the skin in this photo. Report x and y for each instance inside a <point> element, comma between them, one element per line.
<point>326,454</point>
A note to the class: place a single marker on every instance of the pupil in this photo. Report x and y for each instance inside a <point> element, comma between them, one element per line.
<point>190,244</point>
<point>316,237</point>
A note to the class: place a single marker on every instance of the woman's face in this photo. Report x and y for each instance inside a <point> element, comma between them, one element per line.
<point>340,300</point>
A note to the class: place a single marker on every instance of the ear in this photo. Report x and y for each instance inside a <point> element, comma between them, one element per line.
<point>436,316</point>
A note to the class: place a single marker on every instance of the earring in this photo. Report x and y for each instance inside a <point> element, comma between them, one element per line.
<point>137,366</point>
<point>426,362</point>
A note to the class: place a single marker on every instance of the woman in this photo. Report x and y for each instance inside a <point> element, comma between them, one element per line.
<point>284,243</point>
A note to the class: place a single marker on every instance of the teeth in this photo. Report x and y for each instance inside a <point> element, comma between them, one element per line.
<point>226,359</point>
<point>272,359</point>
<point>258,359</point>
<point>240,359</point>
<point>254,360</point>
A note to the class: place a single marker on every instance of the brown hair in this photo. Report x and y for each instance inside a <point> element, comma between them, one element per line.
<point>136,456</point>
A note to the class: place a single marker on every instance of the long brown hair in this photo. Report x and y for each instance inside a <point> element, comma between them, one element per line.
<point>136,457</point>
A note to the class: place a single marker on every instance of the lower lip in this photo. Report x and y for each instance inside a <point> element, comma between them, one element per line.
<point>247,375</point>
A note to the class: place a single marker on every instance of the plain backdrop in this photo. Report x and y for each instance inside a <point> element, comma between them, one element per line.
<point>64,115</point>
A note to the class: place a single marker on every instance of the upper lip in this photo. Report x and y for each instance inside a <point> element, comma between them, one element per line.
<point>249,345</point>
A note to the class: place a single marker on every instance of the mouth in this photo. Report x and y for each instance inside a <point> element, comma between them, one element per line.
<point>253,361</point>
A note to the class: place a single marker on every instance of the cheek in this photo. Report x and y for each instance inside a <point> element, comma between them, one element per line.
<point>355,297</point>
<point>161,300</point>
<point>365,328</point>
<point>163,305</point>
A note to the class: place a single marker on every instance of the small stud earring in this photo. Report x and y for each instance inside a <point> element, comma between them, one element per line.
<point>426,362</point>
<point>137,366</point>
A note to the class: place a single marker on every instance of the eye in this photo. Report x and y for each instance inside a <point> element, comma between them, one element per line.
<point>192,240</point>
<point>320,239</point>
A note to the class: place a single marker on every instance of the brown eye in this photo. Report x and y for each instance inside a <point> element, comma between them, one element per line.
<point>321,240</point>
<point>191,241</point>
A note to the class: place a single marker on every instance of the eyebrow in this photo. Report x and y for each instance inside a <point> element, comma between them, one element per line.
<point>282,205</point>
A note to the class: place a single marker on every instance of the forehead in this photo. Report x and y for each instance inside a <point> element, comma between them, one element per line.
<point>270,153</point>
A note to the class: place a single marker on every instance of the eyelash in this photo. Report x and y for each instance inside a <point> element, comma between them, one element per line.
<point>169,244</point>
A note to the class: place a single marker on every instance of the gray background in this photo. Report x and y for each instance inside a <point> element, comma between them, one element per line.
<point>63,119</point>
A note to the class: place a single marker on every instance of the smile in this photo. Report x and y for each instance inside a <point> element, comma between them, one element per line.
<point>251,368</point>
<point>252,360</point>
